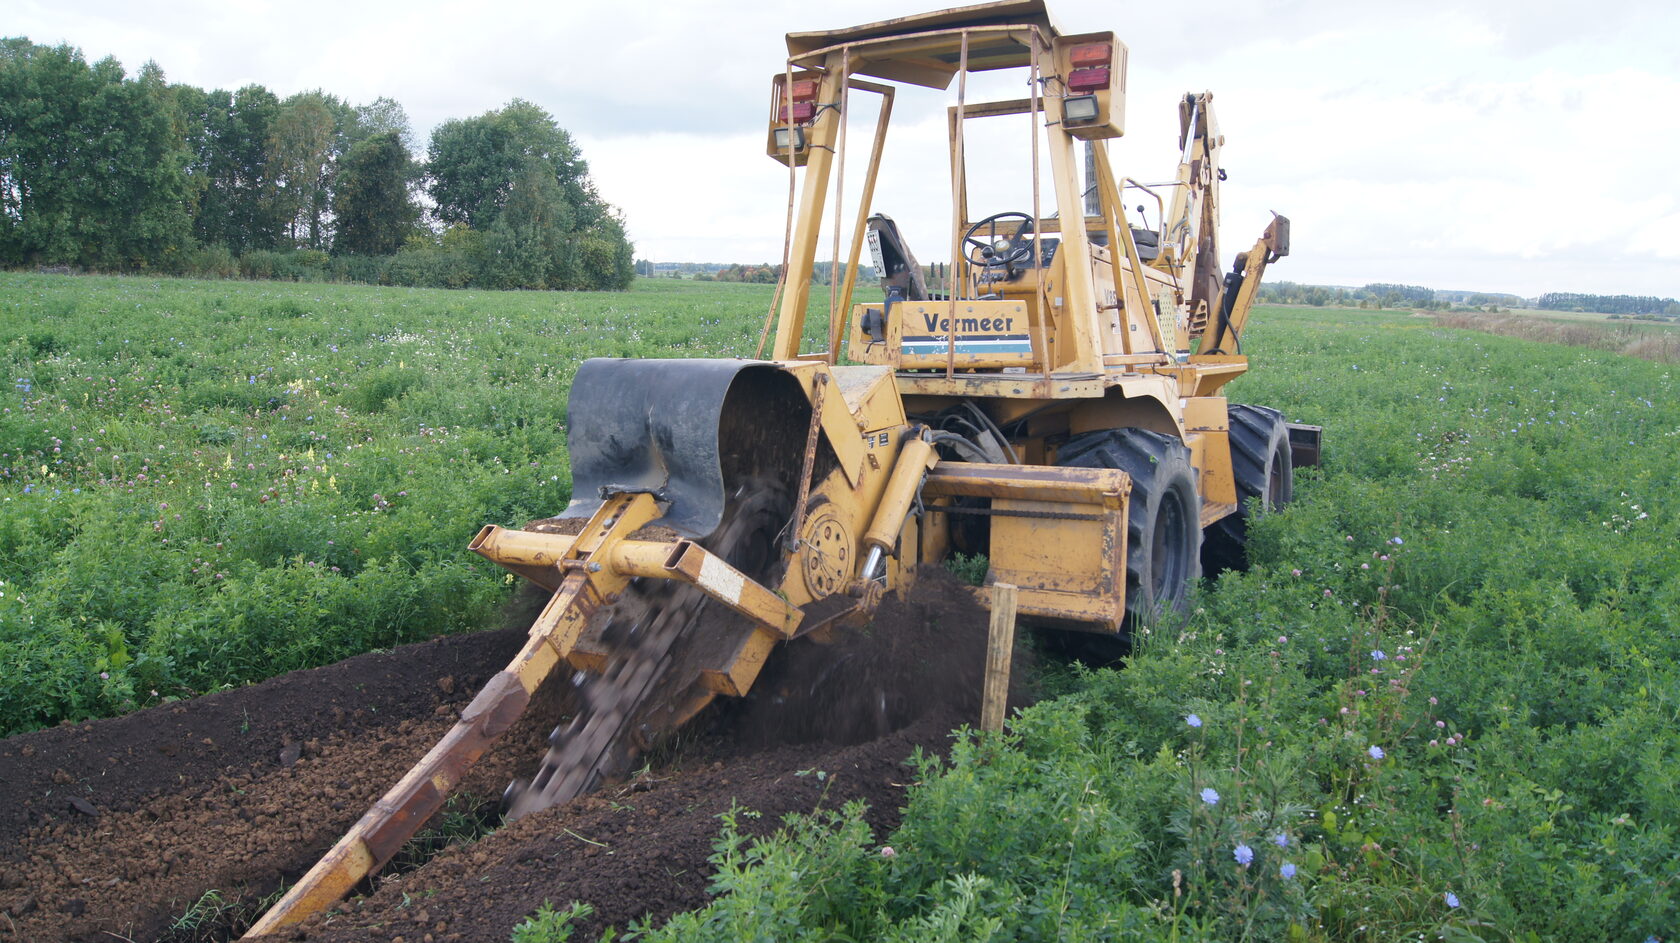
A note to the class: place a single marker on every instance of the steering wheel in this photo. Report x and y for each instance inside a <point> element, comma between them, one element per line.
<point>994,253</point>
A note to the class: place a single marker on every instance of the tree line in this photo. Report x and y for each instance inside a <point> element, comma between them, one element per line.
<point>103,171</point>
<point>1382,295</point>
<point>1609,304</point>
<point>766,273</point>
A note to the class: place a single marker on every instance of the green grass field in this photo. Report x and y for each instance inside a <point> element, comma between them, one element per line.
<point>208,483</point>
<point>1442,704</point>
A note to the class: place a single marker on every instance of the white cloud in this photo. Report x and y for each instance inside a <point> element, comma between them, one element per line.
<point>1499,145</point>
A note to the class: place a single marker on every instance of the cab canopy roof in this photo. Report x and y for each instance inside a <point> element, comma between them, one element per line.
<point>926,49</point>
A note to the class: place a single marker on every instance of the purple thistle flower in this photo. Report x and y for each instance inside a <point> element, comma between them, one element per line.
<point>1209,796</point>
<point>1243,854</point>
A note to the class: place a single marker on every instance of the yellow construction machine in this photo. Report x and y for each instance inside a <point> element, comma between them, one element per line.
<point>1050,399</point>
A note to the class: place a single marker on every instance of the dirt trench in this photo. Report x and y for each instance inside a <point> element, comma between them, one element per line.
<point>169,824</point>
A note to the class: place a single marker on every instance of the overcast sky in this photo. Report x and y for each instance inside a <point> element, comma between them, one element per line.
<point>1503,145</point>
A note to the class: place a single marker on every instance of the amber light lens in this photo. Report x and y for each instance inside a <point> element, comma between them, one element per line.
<point>1090,54</point>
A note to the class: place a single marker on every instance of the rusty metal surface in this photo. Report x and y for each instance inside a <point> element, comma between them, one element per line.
<point>819,392</point>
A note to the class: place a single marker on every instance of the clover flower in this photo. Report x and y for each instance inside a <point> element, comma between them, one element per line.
<point>1209,796</point>
<point>887,851</point>
<point>1243,854</point>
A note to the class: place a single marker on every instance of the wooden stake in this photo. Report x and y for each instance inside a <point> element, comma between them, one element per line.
<point>1001,645</point>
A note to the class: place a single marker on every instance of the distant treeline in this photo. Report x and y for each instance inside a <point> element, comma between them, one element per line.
<point>1380,295</point>
<point>1609,304</point>
<point>102,171</point>
<point>762,274</point>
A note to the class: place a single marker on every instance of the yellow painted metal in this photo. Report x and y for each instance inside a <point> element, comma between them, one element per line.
<point>681,560</point>
<point>839,428</point>
<point>1272,245</point>
<point>914,460</point>
<point>821,135</point>
<point>690,563</point>
<point>1057,534</point>
<point>1079,307</point>
<point>1110,121</point>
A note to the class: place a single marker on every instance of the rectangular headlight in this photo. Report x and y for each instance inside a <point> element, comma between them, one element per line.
<point>1079,109</point>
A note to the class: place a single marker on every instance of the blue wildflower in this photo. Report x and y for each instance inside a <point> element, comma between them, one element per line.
<point>1210,797</point>
<point>1452,899</point>
<point>1243,854</point>
<point>1281,840</point>
<point>1287,871</point>
<point>1376,752</point>
<point>1378,654</point>
<point>1193,721</point>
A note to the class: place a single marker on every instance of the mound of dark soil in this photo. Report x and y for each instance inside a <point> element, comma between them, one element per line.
<point>854,709</point>
<point>114,829</point>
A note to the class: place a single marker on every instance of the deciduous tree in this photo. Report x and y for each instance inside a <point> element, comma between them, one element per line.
<point>92,164</point>
<point>372,208</point>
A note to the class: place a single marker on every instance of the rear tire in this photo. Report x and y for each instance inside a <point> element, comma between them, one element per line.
<point>1163,526</point>
<point>1265,475</point>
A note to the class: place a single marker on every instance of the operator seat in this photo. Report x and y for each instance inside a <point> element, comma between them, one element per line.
<point>1148,243</point>
<point>895,261</point>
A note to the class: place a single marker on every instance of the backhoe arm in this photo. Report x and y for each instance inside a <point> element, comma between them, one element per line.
<point>1242,286</point>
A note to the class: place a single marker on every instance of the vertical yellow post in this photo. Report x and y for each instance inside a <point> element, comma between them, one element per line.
<point>1080,334</point>
<point>824,133</point>
<point>1000,646</point>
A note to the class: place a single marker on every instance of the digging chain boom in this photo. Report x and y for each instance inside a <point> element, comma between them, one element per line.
<point>589,574</point>
<point>652,683</point>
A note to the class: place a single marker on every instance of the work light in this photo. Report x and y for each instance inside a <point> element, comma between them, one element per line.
<point>782,134</point>
<point>1079,109</point>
